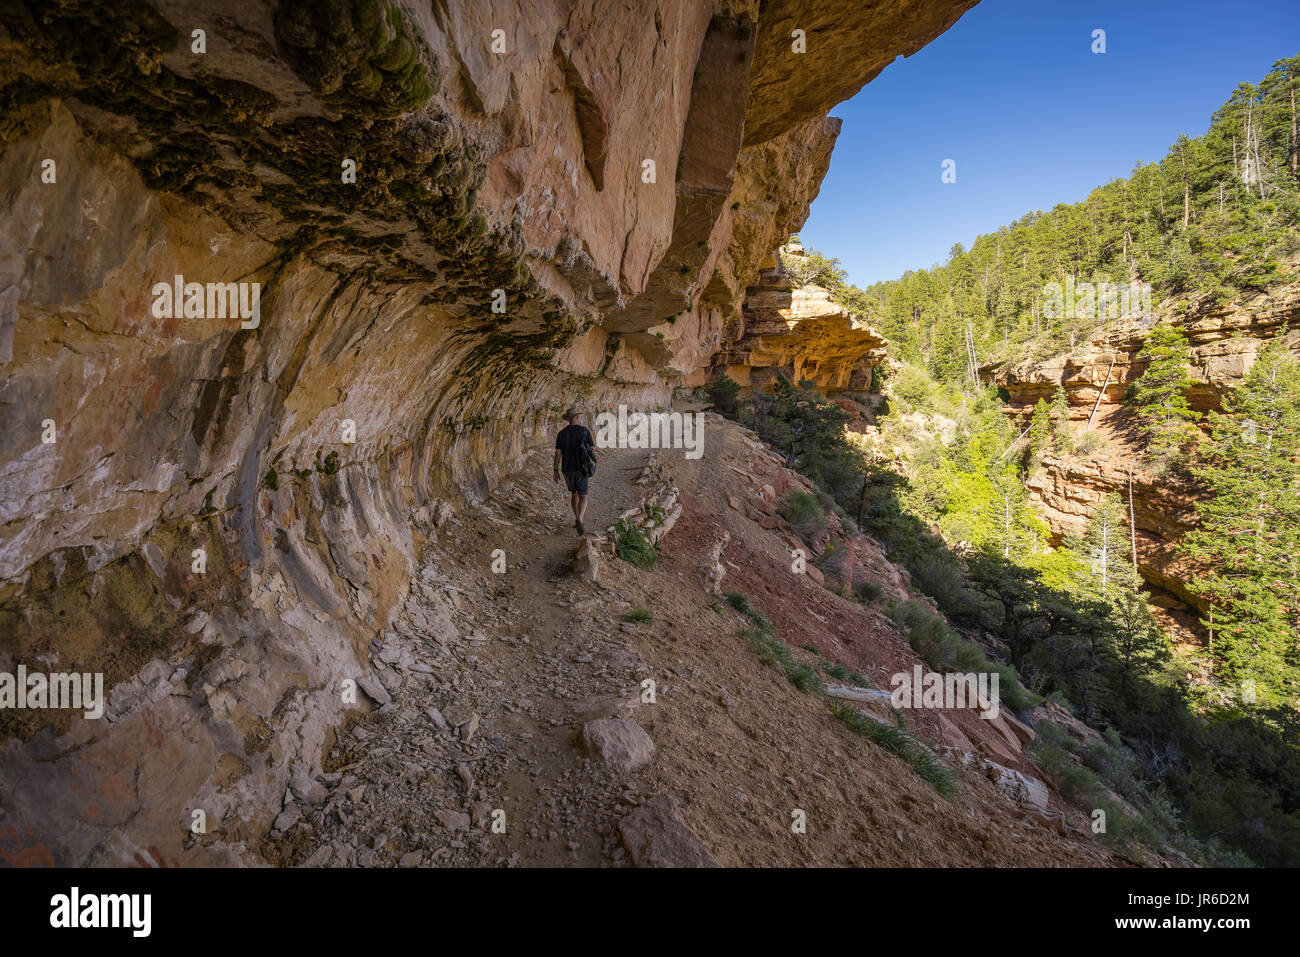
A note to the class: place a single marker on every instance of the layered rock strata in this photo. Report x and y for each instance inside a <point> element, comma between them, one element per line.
<point>1225,340</point>
<point>803,334</point>
<point>455,218</point>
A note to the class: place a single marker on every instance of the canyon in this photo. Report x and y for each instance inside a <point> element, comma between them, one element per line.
<point>292,295</point>
<point>1225,340</point>
<point>223,518</point>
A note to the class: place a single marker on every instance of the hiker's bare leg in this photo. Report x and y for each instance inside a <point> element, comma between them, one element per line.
<point>580,506</point>
<point>573,503</point>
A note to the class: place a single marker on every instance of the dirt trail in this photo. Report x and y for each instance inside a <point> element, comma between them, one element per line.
<point>521,660</point>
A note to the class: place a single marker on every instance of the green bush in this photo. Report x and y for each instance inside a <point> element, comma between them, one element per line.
<point>897,741</point>
<point>913,386</point>
<point>739,601</point>
<point>868,591</point>
<point>634,546</point>
<point>845,674</point>
<point>1088,443</point>
<point>846,520</point>
<point>775,653</point>
<point>803,512</point>
<point>724,393</point>
<point>944,650</point>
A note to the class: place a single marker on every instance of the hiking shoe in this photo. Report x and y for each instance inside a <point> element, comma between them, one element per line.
<point>578,526</point>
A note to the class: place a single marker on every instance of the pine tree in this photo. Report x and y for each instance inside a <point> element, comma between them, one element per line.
<point>1160,394</point>
<point>1010,514</point>
<point>1106,541</point>
<point>1138,645</point>
<point>1040,432</point>
<point>1217,217</point>
<point>1061,421</point>
<point>1249,530</point>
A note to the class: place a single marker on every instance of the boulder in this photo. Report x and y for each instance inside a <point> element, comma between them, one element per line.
<point>374,690</point>
<point>453,820</point>
<point>656,836</point>
<point>619,742</point>
<point>586,563</point>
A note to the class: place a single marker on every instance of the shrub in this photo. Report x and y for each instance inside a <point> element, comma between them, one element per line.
<point>897,741</point>
<point>868,591</point>
<point>724,392</point>
<point>942,576</point>
<point>1089,443</point>
<point>846,521</point>
<point>775,653</point>
<point>638,615</point>
<point>803,512</point>
<point>739,601</point>
<point>1108,766</point>
<point>913,386</point>
<point>634,546</point>
<point>842,673</point>
<point>944,650</point>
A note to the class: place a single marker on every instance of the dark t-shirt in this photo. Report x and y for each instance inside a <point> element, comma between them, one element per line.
<point>570,439</point>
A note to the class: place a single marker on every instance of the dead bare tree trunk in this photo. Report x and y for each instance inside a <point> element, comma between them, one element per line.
<point>1259,165</point>
<point>1105,555</point>
<point>1245,162</point>
<point>1102,392</point>
<point>1295,135</point>
<point>972,358</point>
<point>1014,443</point>
<point>1132,528</point>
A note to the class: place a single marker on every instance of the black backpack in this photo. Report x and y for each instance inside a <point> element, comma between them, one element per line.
<point>587,458</point>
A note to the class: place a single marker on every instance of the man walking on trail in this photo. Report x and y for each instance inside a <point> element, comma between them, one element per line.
<point>572,447</point>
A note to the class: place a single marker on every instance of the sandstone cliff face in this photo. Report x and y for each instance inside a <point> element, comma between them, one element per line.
<point>309,457</point>
<point>803,334</point>
<point>1225,342</point>
<point>1069,489</point>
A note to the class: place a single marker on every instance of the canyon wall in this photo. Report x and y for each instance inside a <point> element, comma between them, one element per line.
<point>1224,341</point>
<point>803,334</point>
<point>456,217</point>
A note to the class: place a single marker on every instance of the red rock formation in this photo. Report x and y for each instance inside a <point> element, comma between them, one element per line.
<point>309,458</point>
<point>1225,341</point>
<point>803,334</point>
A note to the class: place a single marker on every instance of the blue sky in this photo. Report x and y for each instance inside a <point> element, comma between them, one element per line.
<point>1030,115</point>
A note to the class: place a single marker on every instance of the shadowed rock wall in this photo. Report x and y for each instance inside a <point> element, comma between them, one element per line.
<point>310,457</point>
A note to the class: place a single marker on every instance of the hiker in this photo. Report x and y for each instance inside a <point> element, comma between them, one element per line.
<point>575,457</point>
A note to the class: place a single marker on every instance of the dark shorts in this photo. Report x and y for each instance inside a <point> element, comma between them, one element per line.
<point>576,481</point>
